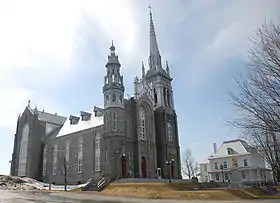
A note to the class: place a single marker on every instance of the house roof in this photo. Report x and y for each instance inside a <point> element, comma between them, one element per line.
<point>238,147</point>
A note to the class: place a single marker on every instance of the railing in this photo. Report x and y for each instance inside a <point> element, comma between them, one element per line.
<point>101,182</point>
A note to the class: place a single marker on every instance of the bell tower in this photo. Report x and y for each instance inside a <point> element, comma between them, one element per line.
<point>113,88</point>
<point>114,132</point>
<point>158,79</point>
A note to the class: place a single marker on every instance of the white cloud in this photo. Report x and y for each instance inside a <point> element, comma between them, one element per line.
<point>38,38</point>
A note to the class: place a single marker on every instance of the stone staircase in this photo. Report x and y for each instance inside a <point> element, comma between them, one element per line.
<point>96,186</point>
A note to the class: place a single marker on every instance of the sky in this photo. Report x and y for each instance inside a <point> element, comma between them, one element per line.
<point>53,53</point>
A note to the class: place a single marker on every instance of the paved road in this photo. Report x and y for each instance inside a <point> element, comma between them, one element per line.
<point>63,197</point>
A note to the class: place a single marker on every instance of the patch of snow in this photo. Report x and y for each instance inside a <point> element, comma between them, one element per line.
<point>68,128</point>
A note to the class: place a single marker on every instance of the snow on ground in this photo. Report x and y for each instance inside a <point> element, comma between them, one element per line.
<point>14,183</point>
<point>45,186</point>
<point>17,183</point>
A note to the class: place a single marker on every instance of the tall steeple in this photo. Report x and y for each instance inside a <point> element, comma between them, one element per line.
<point>155,58</point>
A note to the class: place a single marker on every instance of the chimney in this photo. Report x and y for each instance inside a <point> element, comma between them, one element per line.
<point>215,148</point>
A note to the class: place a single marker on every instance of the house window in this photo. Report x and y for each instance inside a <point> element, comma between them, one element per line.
<point>142,124</point>
<point>243,175</point>
<point>229,151</point>
<point>169,132</point>
<point>54,159</point>
<point>245,162</point>
<point>205,168</point>
<point>97,152</point>
<point>45,161</point>
<point>114,121</point>
<point>226,176</point>
<point>216,165</point>
<point>217,177</point>
<point>114,97</point>
<point>80,155</point>
<point>225,165</point>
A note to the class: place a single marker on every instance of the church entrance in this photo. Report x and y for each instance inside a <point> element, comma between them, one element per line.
<point>144,167</point>
<point>172,171</point>
<point>123,160</point>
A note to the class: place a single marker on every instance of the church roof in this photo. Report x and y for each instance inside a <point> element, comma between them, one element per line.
<point>51,118</point>
<point>68,128</point>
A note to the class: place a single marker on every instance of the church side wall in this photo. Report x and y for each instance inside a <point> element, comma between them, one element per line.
<point>88,164</point>
<point>37,132</point>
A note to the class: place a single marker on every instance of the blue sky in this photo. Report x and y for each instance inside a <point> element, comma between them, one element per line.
<point>54,52</point>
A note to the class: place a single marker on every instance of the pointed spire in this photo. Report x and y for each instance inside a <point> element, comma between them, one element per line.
<point>155,59</point>
<point>167,68</point>
<point>112,48</point>
<point>143,70</point>
<point>153,40</point>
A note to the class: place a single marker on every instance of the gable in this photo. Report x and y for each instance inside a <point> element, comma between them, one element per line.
<point>236,146</point>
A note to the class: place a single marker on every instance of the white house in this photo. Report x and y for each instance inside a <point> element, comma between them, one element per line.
<point>234,161</point>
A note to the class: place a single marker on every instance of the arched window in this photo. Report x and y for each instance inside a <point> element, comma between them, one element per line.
<point>164,95</point>
<point>120,98</point>
<point>155,95</point>
<point>97,152</point>
<point>80,155</point>
<point>169,132</point>
<point>142,124</point>
<point>168,98</point>
<point>107,99</point>
<point>114,121</point>
<point>45,161</point>
<point>113,78</point>
<point>54,159</point>
<point>23,150</point>
<point>67,155</point>
<point>114,97</point>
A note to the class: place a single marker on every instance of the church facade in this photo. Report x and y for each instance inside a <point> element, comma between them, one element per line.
<point>134,137</point>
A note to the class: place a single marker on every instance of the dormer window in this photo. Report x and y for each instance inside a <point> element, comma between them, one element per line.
<point>74,120</point>
<point>98,111</point>
<point>85,116</point>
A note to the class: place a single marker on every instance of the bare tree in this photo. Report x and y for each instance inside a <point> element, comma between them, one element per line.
<point>258,99</point>
<point>65,172</point>
<point>189,166</point>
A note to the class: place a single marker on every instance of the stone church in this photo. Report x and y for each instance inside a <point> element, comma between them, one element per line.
<point>135,137</point>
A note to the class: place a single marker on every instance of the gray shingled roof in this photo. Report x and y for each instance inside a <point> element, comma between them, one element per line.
<point>51,118</point>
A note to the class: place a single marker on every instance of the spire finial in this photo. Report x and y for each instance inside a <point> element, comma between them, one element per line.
<point>112,48</point>
<point>143,70</point>
<point>28,104</point>
<point>167,68</point>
